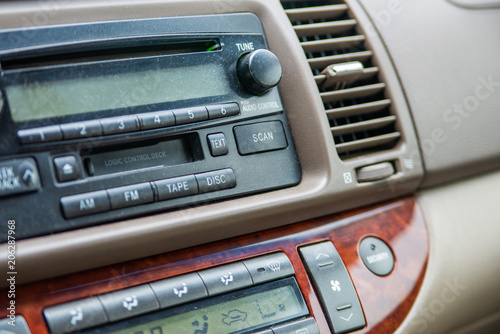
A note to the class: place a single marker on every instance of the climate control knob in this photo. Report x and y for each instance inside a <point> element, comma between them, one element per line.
<point>259,71</point>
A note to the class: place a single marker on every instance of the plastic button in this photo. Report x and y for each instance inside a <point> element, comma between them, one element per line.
<point>156,120</point>
<point>129,302</point>
<point>179,290</point>
<point>21,327</point>
<point>217,180</point>
<point>306,326</point>
<point>223,110</point>
<point>190,115</point>
<point>66,168</point>
<point>132,195</point>
<point>74,316</point>
<point>81,129</point>
<point>217,144</point>
<point>85,204</point>
<point>18,176</point>
<point>226,278</point>
<point>269,267</point>
<point>111,126</point>
<point>376,255</point>
<point>40,135</point>
<point>260,137</point>
<point>176,187</point>
<point>334,287</point>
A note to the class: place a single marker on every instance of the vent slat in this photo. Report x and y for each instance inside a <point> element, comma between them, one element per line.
<point>368,143</point>
<point>351,93</point>
<point>363,126</point>
<point>333,44</point>
<point>358,109</point>
<point>321,62</point>
<point>314,13</point>
<point>323,28</point>
<point>368,73</point>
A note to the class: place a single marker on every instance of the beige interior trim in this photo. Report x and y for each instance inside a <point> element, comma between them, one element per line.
<point>461,282</point>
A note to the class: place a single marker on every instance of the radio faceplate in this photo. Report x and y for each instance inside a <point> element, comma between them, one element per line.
<point>134,117</point>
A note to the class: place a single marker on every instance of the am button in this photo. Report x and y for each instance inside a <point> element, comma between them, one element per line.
<point>260,137</point>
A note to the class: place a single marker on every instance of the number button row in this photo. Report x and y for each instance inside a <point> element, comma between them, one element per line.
<point>125,124</point>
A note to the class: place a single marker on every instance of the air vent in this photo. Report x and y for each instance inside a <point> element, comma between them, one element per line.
<point>356,106</point>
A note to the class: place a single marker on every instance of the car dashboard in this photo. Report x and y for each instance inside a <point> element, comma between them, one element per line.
<point>199,166</point>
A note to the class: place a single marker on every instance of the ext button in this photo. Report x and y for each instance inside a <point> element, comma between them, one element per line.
<point>40,135</point>
<point>111,126</point>
<point>269,267</point>
<point>260,137</point>
<point>217,180</point>
<point>190,115</point>
<point>129,302</point>
<point>75,316</point>
<point>226,278</point>
<point>223,110</point>
<point>156,120</point>
<point>132,195</point>
<point>217,144</point>
<point>81,129</point>
<point>176,187</point>
<point>66,168</point>
<point>85,204</point>
<point>179,290</point>
<point>18,176</point>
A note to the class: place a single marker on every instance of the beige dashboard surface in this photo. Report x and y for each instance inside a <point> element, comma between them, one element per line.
<point>461,283</point>
<point>447,60</point>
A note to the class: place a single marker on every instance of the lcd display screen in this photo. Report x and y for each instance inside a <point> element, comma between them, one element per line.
<point>237,312</point>
<point>229,317</point>
<point>33,100</point>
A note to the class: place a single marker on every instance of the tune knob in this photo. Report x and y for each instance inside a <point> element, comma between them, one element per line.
<point>259,71</point>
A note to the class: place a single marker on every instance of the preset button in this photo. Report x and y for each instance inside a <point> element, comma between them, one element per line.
<point>154,120</point>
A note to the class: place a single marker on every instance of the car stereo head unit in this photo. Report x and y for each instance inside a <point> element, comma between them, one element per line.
<point>108,120</point>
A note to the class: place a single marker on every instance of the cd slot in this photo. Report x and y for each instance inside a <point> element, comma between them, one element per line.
<point>112,51</point>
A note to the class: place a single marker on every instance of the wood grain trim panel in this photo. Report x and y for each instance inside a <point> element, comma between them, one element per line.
<point>386,300</point>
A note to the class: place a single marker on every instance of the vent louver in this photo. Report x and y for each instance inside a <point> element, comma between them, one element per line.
<point>355,104</point>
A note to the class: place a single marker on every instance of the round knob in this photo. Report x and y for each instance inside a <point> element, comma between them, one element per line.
<point>259,71</point>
